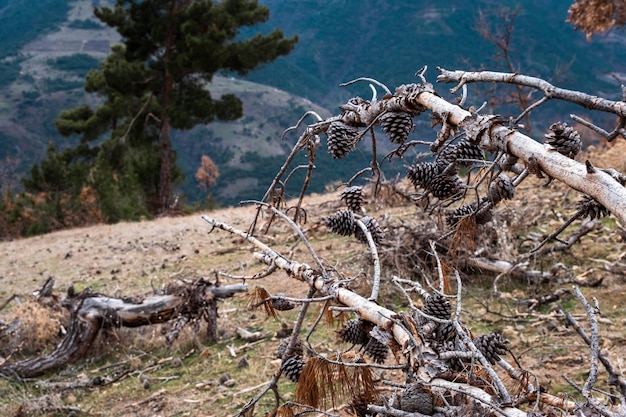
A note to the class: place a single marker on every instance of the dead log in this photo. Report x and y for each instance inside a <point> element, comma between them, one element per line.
<point>92,313</point>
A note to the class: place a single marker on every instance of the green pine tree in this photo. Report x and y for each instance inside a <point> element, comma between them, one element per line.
<point>156,81</point>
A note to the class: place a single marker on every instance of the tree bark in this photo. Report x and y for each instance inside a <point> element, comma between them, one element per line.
<point>492,136</point>
<point>94,312</point>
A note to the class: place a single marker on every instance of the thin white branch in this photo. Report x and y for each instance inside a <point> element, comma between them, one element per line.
<point>374,93</point>
<point>375,259</point>
<point>550,91</point>
<point>439,267</point>
<point>594,347</point>
<point>371,80</point>
<point>366,309</point>
<point>463,334</point>
<point>477,394</point>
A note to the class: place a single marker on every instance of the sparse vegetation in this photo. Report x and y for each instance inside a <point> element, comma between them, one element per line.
<point>516,305</point>
<point>466,288</point>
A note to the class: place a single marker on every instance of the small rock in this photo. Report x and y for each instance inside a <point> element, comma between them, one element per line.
<point>176,363</point>
<point>223,378</point>
<point>243,362</point>
<point>145,382</point>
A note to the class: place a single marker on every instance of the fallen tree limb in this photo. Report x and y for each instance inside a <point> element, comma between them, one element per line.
<point>92,313</point>
<point>492,135</point>
<point>387,319</point>
<point>507,268</point>
<point>431,339</point>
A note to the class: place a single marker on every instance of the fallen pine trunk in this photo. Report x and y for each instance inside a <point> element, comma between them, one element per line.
<point>92,312</point>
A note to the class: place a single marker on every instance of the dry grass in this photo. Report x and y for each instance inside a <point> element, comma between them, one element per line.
<point>201,379</point>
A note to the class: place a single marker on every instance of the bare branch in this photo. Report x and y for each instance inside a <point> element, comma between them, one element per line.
<point>550,91</point>
<point>594,346</point>
<point>374,252</point>
<point>370,80</point>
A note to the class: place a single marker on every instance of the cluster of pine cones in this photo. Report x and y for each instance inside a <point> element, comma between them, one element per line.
<point>566,140</point>
<point>438,178</point>
<point>501,188</point>
<point>342,138</point>
<point>343,222</point>
<point>445,337</point>
<point>359,332</point>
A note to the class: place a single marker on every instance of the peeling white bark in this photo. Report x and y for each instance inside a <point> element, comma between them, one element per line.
<point>600,185</point>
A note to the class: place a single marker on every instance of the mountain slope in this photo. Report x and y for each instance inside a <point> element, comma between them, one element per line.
<point>390,40</point>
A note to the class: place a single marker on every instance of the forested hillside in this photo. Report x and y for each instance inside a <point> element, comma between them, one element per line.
<point>390,40</point>
<point>21,22</point>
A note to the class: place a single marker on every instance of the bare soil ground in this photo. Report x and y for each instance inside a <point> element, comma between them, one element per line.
<point>197,378</point>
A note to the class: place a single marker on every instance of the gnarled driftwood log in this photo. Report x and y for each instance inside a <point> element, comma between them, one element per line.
<point>92,312</point>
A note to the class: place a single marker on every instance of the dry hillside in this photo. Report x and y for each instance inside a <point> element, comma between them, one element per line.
<point>197,378</point>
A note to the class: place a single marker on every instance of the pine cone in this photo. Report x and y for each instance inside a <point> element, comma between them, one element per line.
<point>372,227</point>
<point>492,345</point>
<point>455,216</point>
<point>445,186</point>
<point>417,398</point>
<point>341,139</point>
<point>397,125</point>
<point>422,174</point>
<point>341,222</point>
<point>480,216</point>
<point>564,139</point>
<point>355,331</point>
<point>429,176</point>
<point>293,366</point>
<point>467,153</point>
<point>359,404</point>
<point>446,334</point>
<point>353,197</point>
<point>484,216</point>
<point>298,349</point>
<point>501,189</point>
<point>438,306</point>
<point>446,156</point>
<point>590,207</point>
<point>281,304</point>
<point>376,350</point>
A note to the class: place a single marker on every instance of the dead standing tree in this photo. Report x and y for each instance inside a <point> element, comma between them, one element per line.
<point>448,370</point>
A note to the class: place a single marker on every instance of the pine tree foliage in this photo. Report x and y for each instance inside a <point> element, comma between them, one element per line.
<point>154,82</point>
<point>181,46</point>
